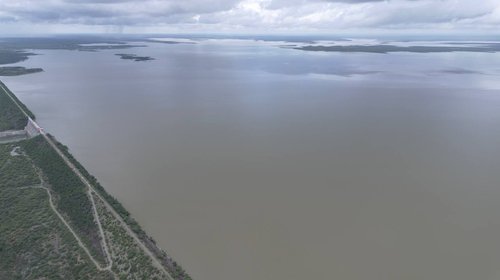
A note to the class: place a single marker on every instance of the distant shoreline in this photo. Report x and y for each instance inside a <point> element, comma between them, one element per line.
<point>134,57</point>
<point>18,70</point>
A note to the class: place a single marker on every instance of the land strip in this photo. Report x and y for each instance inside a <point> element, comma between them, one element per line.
<point>91,193</point>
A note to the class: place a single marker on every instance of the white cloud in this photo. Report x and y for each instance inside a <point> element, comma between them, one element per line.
<point>251,15</point>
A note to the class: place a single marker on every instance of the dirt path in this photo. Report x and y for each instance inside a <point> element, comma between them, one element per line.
<point>98,221</point>
<point>80,243</point>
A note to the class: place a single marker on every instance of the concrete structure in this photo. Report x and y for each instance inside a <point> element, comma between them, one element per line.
<point>30,130</point>
<point>12,136</point>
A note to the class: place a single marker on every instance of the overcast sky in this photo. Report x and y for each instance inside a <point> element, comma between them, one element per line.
<point>248,16</point>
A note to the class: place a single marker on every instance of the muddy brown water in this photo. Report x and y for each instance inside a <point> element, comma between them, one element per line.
<point>254,162</point>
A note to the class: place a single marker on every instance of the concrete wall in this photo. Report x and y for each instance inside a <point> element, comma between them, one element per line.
<point>30,130</point>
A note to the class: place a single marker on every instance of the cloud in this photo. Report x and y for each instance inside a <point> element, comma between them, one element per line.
<point>255,15</point>
<point>353,1</point>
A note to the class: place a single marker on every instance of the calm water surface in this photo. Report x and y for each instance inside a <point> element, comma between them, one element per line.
<point>248,161</point>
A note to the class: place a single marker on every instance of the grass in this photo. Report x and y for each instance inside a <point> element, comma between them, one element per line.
<point>11,118</point>
<point>129,260</point>
<point>34,244</point>
<point>11,94</point>
<point>71,193</point>
<point>15,170</point>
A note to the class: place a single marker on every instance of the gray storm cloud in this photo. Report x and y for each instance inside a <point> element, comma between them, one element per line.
<point>325,15</point>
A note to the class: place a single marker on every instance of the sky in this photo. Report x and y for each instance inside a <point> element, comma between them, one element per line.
<point>248,16</point>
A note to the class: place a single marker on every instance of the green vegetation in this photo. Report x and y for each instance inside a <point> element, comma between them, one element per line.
<point>18,70</point>
<point>129,260</point>
<point>4,98</point>
<point>109,198</point>
<point>15,169</point>
<point>71,193</point>
<point>34,244</point>
<point>173,267</point>
<point>134,57</point>
<point>11,117</point>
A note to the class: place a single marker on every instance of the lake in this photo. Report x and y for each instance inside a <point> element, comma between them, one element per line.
<point>245,160</point>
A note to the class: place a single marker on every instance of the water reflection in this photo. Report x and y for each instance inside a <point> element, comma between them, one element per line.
<point>255,162</point>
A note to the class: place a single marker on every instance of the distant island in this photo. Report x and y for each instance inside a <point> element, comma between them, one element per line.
<point>134,57</point>
<point>384,48</point>
<point>18,70</point>
<point>8,56</point>
<point>14,50</point>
